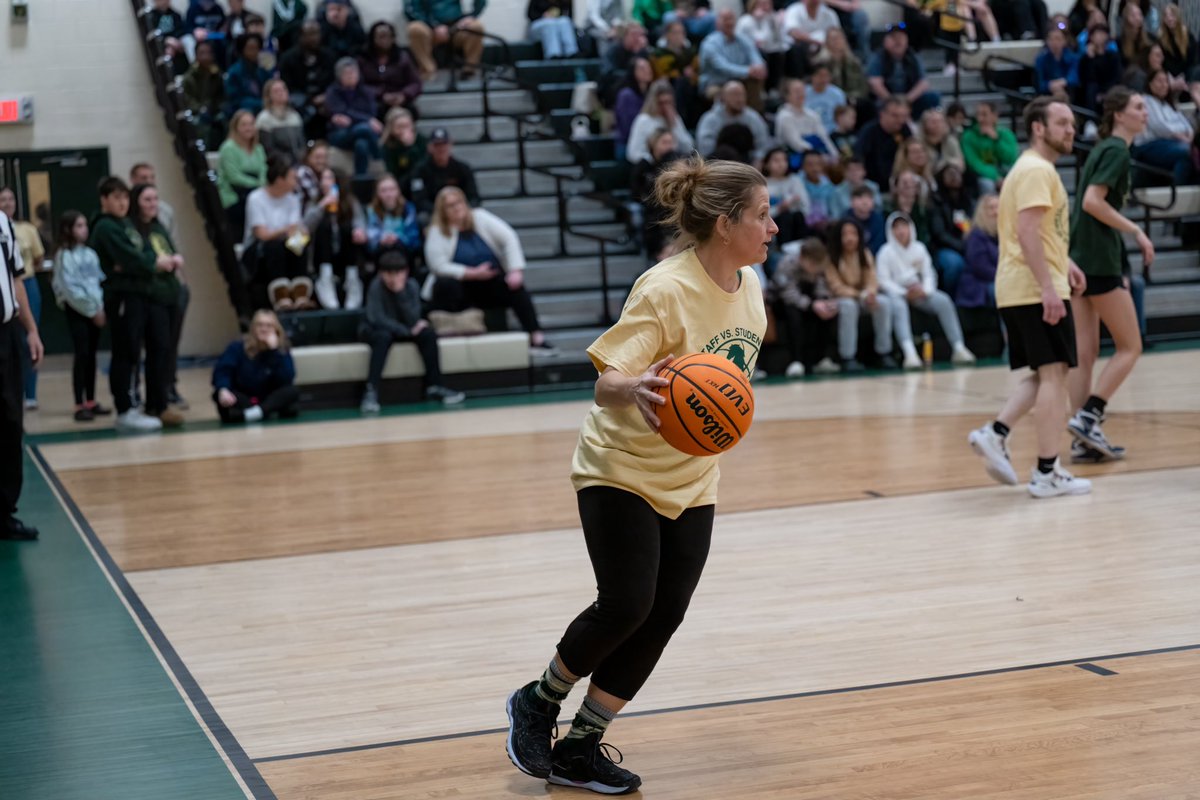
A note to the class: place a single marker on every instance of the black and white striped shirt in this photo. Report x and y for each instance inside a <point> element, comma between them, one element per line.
<point>10,253</point>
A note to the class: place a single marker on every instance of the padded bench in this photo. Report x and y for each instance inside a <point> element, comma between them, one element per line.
<point>1024,52</point>
<point>1186,205</point>
<point>333,375</point>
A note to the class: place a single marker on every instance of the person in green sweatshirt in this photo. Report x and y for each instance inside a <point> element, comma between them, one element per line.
<point>130,269</point>
<point>989,150</point>
<point>164,314</point>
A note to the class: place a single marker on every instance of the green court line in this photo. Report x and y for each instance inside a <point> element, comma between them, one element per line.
<point>87,711</point>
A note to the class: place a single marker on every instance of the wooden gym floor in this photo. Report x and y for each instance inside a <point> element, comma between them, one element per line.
<point>337,608</point>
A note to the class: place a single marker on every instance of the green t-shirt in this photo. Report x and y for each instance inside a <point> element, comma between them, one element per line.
<point>1095,247</point>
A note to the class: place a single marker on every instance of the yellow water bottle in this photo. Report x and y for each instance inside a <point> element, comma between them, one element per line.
<point>927,349</point>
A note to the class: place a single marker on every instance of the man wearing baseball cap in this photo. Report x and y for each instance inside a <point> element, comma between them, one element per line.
<point>440,170</point>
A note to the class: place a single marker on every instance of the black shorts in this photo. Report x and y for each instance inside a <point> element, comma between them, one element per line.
<point>1032,343</point>
<point>1103,284</point>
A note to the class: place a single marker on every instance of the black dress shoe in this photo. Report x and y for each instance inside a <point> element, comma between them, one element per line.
<point>16,531</point>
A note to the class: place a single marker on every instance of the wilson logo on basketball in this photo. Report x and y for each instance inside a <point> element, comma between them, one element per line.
<point>709,404</point>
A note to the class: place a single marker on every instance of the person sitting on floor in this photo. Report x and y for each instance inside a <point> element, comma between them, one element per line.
<point>393,314</point>
<point>255,376</point>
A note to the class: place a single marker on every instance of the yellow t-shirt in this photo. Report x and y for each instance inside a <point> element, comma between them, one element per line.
<point>30,242</point>
<point>673,308</point>
<point>1033,182</point>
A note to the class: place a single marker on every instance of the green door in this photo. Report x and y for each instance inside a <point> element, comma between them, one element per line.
<point>48,183</point>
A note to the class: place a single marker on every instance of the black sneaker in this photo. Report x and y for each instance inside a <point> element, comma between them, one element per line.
<point>586,764</point>
<point>176,399</point>
<point>1082,454</point>
<point>84,414</point>
<point>887,362</point>
<point>449,397</point>
<point>532,726</point>
<point>13,530</point>
<point>852,365</point>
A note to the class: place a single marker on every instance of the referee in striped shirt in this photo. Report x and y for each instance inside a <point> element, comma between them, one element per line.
<point>14,315</point>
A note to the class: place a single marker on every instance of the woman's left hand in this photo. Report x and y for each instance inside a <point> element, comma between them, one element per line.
<point>514,279</point>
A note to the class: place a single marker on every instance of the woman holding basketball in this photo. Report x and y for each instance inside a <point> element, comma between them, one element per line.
<point>647,509</point>
<point>1096,228</point>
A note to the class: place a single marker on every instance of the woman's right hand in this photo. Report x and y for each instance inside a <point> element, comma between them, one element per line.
<point>99,319</point>
<point>226,398</point>
<point>483,272</point>
<point>644,395</point>
<point>272,341</point>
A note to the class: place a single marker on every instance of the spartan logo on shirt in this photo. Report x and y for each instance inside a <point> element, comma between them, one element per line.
<point>739,345</point>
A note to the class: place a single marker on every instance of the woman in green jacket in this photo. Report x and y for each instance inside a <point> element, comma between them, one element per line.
<point>241,168</point>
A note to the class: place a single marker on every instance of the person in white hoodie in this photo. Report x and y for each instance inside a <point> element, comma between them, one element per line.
<point>907,278</point>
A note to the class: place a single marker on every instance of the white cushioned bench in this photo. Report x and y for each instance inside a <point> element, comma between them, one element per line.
<point>343,363</point>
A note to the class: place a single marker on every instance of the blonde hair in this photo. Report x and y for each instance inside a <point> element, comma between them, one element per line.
<point>902,164</point>
<point>236,119</point>
<point>657,89</point>
<point>440,220</point>
<point>250,341</point>
<point>377,204</point>
<point>696,193</point>
<point>267,87</point>
<point>1177,36</point>
<point>389,119</point>
<point>980,221</point>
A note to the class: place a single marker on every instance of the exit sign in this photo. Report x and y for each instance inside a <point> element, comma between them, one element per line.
<point>16,109</point>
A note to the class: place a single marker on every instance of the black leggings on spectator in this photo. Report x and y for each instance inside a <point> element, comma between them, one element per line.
<point>332,244</point>
<point>455,295</point>
<point>235,215</point>
<point>646,567</point>
<point>282,401</point>
<point>85,338</point>
<point>381,341</point>
<point>136,321</point>
<point>810,338</point>
<point>275,260</point>
<point>176,316</point>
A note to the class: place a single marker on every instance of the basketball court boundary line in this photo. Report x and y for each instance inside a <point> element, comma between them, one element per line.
<point>235,756</point>
<point>748,701</point>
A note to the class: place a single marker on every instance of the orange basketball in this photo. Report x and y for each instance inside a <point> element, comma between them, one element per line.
<point>709,404</point>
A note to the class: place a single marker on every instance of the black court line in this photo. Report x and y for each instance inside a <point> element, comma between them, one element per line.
<point>212,720</point>
<point>1076,662</point>
<point>1096,668</point>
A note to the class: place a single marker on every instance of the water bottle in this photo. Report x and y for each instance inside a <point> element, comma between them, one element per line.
<point>927,349</point>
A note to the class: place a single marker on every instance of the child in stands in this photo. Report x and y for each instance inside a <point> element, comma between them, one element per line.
<point>393,314</point>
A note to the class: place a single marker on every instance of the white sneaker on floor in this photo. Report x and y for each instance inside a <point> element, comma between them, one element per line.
<point>912,361</point>
<point>31,404</point>
<point>134,421</point>
<point>759,375</point>
<point>370,403</point>
<point>1057,482</point>
<point>827,366</point>
<point>993,449</point>
<point>794,370</point>
<point>962,355</point>
<point>949,69</point>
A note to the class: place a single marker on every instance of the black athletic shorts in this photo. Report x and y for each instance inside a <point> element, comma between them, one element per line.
<point>1103,284</point>
<point>1032,343</point>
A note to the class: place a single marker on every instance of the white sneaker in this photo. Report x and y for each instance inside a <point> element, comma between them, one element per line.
<point>354,289</point>
<point>962,355</point>
<point>326,291</point>
<point>911,359</point>
<point>949,69</point>
<point>993,448</point>
<point>370,402</point>
<point>759,375</point>
<point>794,370</point>
<point>31,404</point>
<point>827,366</point>
<point>134,421</point>
<point>1057,482</point>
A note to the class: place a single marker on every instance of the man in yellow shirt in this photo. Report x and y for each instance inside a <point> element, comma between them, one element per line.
<point>1034,282</point>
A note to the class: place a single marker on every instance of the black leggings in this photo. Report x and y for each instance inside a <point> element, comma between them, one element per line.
<point>283,401</point>
<point>647,567</point>
<point>85,337</point>
<point>381,341</point>
<point>454,295</point>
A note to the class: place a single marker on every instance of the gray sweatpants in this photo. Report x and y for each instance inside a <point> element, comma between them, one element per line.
<point>881,317</point>
<point>939,304</point>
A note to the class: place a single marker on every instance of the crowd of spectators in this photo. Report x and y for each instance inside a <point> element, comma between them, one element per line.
<point>885,198</point>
